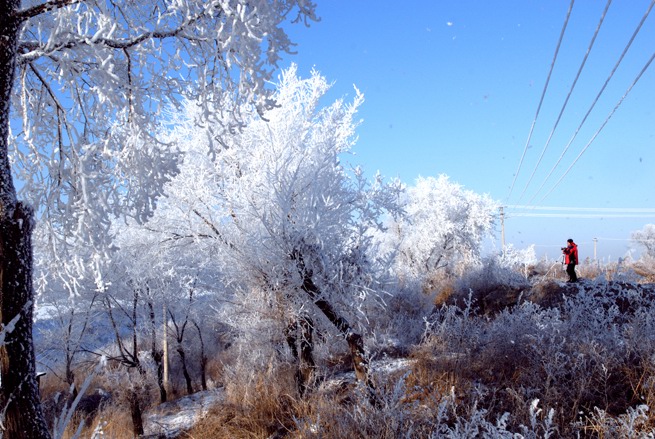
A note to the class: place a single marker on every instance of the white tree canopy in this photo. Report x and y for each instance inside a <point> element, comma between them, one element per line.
<point>277,192</point>
<point>443,228</point>
<point>82,84</point>
<point>92,79</point>
<point>646,238</point>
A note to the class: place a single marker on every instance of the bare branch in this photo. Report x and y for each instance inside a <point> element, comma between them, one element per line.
<point>32,50</point>
<point>43,8</point>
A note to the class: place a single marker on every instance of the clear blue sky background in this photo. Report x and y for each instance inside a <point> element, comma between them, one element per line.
<point>452,87</point>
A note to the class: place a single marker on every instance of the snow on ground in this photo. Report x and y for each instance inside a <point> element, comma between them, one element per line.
<point>172,418</point>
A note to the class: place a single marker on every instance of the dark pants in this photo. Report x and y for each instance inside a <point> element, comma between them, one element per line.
<point>570,270</point>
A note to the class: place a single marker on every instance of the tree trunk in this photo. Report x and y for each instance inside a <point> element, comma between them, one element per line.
<point>19,391</point>
<point>185,370</point>
<point>157,354</point>
<point>19,394</point>
<point>72,388</point>
<point>136,413</point>
<point>291,334</point>
<point>307,365</point>
<point>302,349</point>
<point>354,340</point>
<point>203,358</point>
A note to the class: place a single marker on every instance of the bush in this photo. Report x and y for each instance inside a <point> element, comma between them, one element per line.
<point>592,356</point>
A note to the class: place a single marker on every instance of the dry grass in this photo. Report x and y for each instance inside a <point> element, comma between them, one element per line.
<point>444,293</point>
<point>497,376</point>
<point>114,422</point>
<point>646,269</point>
<point>490,367</point>
<point>253,410</point>
<point>547,294</point>
<point>215,371</point>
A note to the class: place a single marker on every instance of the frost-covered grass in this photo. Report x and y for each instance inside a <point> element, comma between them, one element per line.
<point>589,361</point>
<point>502,357</point>
<point>582,369</point>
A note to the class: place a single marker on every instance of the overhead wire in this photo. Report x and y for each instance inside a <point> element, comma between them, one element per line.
<point>643,70</point>
<point>600,92</point>
<point>580,215</point>
<point>568,96</point>
<point>583,209</point>
<point>543,93</point>
<point>578,212</point>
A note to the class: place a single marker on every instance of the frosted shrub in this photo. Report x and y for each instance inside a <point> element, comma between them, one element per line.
<point>441,233</point>
<point>591,356</point>
<point>632,425</point>
<point>477,424</point>
<point>402,415</point>
<point>517,260</point>
<point>400,323</point>
<point>491,286</point>
<point>494,271</point>
<point>645,238</point>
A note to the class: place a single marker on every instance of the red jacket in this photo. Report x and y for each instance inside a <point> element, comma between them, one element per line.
<point>571,253</point>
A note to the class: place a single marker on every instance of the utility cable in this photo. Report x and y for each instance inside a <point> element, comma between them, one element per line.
<point>585,209</point>
<point>584,119</point>
<point>604,123</point>
<point>543,93</point>
<point>579,215</point>
<point>568,96</point>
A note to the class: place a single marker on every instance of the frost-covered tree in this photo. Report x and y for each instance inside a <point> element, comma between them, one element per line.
<point>81,84</point>
<point>443,229</point>
<point>148,276</point>
<point>68,327</point>
<point>646,238</point>
<point>288,222</point>
<point>517,259</point>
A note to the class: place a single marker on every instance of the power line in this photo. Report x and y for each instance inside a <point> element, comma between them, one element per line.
<point>585,209</point>
<point>568,96</point>
<point>578,212</point>
<point>543,93</point>
<point>584,242</point>
<point>602,89</point>
<point>579,215</point>
<point>613,239</point>
<point>643,70</point>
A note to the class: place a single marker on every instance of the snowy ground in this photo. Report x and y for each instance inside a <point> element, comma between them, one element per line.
<point>172,418</point>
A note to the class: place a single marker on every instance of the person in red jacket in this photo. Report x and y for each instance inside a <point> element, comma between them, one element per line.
<point>571,259</point>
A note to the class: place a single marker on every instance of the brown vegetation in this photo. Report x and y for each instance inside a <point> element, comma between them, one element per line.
<point>496,365</point>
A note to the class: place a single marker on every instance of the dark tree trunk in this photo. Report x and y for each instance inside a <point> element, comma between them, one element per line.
<point>179,338</point>
<point>203,358</point>
<point>291,334</point>
<point>136,413</point>
<point>307,365</point>
<point>185,370</point>
<point>157,354</point>
<point>299,336</point>
<point>70,375</point>
<point>130,359</point>
<point>354,340</point>
<point>19,392</point>
<point>203,373</point>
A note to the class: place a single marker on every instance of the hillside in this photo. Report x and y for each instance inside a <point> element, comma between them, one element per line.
<point>554,360</point>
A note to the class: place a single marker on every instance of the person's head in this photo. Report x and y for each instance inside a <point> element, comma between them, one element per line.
<point>570,241</point>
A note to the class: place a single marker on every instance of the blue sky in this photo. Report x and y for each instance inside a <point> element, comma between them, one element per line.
<point>452,87</point>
